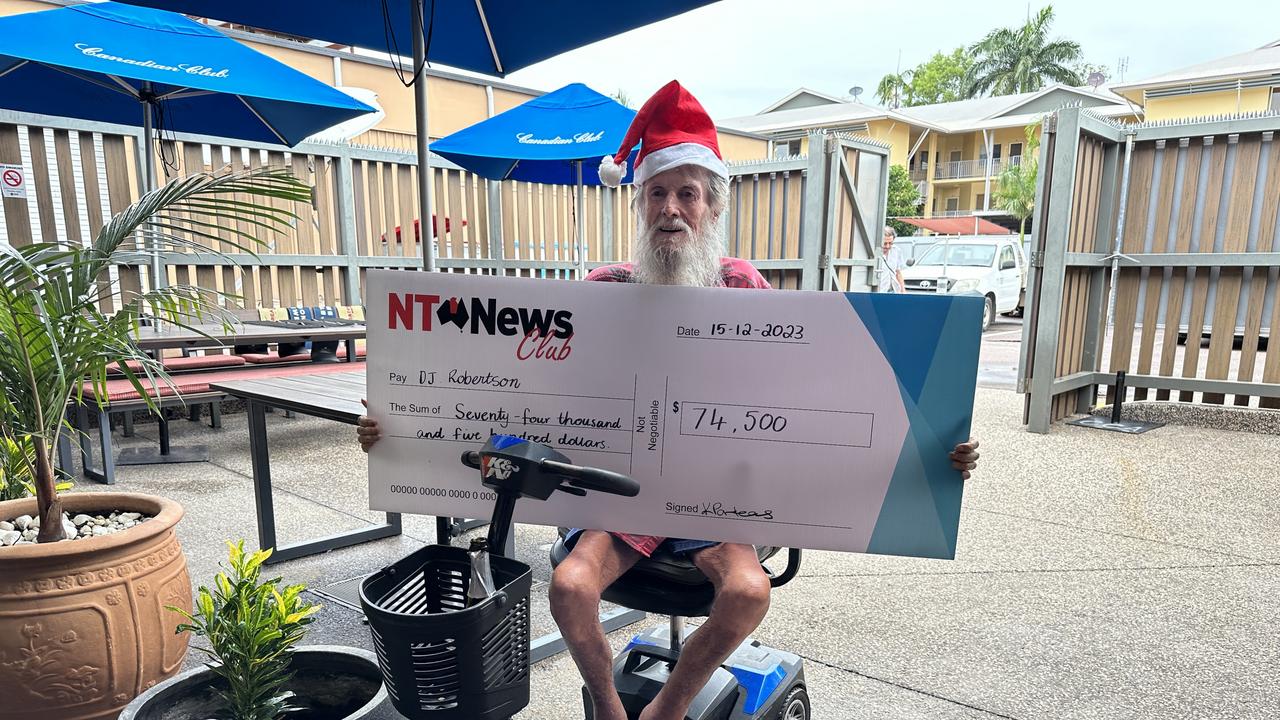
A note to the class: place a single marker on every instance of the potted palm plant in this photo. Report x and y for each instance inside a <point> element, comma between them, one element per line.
<point>81,629</point>
<point>256,671</point>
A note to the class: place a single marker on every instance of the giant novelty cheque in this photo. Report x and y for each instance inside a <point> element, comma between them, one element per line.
<point>797,419</point>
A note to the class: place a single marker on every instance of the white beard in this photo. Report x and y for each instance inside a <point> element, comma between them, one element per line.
<point>693,261</point>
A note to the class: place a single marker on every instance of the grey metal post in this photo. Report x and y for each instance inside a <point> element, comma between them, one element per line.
<point>352,294</point>
<point>426,227</point>
<point>606,222</point>
<point>578,213</point>
<point>815,211</point>
<point>1093,312</point>
<point>496,251</point>
<point>158,276</point>
<point>1057,227</point>
<point>1115,252</point>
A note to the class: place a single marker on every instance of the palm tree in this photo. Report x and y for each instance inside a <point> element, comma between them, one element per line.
<point>894,89</point>
<point>1016,193</point>
<point>1010,60</point>
<point>54,335</point>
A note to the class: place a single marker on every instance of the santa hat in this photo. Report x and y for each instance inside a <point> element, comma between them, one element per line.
<point>672,129</point>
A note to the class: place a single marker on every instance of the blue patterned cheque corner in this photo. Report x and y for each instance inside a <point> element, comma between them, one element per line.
<point>921,509</point>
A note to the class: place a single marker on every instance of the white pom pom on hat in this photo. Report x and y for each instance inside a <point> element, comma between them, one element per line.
<point>672,129</point>
<point>611,173</point>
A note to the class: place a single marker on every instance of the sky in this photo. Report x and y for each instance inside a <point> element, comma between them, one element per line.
<point>739,56</point>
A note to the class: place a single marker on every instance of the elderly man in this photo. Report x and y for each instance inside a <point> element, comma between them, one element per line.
<point>889,263</point>
<point>681,191</point>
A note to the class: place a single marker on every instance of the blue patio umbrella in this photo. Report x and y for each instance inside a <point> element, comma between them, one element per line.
<point>495,37</point>
<point>545,140</point>
<point>130,65</point>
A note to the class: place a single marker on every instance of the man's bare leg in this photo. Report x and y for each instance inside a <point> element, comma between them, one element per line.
<point>742,599</point>
<point>596,561</point>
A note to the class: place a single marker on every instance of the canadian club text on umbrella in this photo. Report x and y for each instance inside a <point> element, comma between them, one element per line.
<point>117,63</point>
<point>494,37</point>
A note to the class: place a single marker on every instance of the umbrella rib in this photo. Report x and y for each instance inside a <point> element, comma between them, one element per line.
<point>184,93</point>
<point>488,35</point>
<point>120,86</point>
<point>263,120</point>
<point>14,67</point>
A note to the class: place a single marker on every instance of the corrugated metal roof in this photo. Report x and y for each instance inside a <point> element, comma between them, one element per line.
<point>1265,60</point>
<point>959,116</point>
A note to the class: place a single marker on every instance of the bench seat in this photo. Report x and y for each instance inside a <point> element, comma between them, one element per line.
<point>187,363</point>
<point>274,358</point>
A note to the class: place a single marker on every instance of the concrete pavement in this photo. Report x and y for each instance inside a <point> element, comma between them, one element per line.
<point>1099,575</point>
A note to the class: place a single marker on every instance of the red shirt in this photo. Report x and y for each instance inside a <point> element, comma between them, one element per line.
<point>735,273</point>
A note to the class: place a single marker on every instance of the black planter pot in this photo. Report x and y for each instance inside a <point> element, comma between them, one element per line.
<point>330,682</point>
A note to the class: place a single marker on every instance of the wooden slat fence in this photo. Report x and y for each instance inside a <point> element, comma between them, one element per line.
<point>363,211</point>
<point>1196,309</point>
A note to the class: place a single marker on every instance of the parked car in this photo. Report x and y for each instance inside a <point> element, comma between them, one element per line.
<point>992,266</point>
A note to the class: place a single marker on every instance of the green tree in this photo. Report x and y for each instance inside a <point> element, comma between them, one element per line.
<point>904,199</point>
<point>941,78</point>
<point>1017,60</point>
<point>894,90</point>
<point>1016,191</point>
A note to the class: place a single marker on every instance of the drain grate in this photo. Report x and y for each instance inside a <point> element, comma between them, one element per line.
<point>344,592</point>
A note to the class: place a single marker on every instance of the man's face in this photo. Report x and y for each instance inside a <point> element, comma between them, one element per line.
<point>678,240</point>
<point>887,243</point>
<point>675,205</point>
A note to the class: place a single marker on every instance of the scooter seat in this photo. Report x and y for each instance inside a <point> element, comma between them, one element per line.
<point>663,583</point>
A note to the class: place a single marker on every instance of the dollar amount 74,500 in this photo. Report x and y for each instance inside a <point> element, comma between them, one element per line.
<point>808,426</point>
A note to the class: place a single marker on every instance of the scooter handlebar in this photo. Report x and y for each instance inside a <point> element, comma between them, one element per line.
<point>595,479</point>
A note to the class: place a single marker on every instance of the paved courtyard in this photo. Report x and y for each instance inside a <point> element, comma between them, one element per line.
<point>1099,575</point>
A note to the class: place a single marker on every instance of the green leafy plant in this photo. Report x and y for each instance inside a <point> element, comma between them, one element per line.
<point>904,200</point>
<point>17,470</point>
<point>251,627</point>
<point>63,323</point>
<point>1016,191</point>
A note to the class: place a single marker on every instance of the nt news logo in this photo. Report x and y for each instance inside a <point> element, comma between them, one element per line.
<point>538,329</point>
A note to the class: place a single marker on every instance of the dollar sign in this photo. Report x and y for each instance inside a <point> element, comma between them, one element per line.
<point>675,407</point>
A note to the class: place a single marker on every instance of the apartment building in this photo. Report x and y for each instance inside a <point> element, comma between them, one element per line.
<point>954,151</point>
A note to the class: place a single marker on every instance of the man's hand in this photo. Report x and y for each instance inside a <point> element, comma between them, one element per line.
<point>367,431</point>
<point>965,457</point>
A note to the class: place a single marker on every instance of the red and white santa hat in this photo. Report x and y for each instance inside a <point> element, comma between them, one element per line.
<point>672,129</point>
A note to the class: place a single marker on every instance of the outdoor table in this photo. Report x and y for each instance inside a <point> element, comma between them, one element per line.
<point>334,396</point>
<point>213,335</point>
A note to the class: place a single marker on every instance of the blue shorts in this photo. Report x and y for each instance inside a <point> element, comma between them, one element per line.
<point>675,546</point>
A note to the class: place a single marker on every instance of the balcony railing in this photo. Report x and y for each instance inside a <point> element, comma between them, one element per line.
<point>973,168</point>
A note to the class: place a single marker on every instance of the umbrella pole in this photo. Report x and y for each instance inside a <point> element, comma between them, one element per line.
<point>426,227</point>
<point>149,183</point>
<point>577,217</point>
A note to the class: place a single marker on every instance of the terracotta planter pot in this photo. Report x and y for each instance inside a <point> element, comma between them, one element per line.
<point>83,624</point>
<point>330,682</point>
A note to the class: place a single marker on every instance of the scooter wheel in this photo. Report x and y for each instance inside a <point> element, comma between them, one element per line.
<point>795,706</point>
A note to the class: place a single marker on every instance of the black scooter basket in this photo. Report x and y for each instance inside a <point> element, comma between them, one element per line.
<point>440,659</point>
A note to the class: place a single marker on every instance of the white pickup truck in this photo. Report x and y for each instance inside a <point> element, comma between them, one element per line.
<point>993,266</point>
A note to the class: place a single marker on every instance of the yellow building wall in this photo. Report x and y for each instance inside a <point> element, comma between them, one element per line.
<point>1201,104</point>
<point>896,134</point>
<point>736,148</point>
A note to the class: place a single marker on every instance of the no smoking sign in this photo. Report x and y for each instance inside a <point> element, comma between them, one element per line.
<point>13,181</point>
